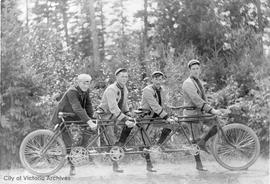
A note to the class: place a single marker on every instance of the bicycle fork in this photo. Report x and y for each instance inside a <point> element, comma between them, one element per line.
<point>43,151</point>
<point>225,137</point>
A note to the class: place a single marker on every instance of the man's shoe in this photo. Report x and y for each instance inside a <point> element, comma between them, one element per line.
<point>149,167</point>
<point>72,171</point>
<point>116,168</point>
<point>202,146</point>
<point>167,147</point>
<point>120,144</point>
<point>199,165</point>
<point>91,160</point>
<point>201,168</point>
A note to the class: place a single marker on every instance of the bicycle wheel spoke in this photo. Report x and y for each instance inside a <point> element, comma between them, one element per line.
<point>241,136</point>
<point>33,160</point>
<point>246,153</point>
<point>246,141</point>
<point>248,145</point>
<point>227,150</point>
<point>36,143</point>
<point>54,152</point>
<point>248,150</point>
<point>31,147</point>
<point>30,153</point>
<point>238,136</point>
<point>224,151</point>
<point>245,149</point>
<point>39,161</point>
<point>230,136</point>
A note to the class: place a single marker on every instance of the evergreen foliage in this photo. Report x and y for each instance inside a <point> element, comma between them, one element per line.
<point>39,61</point>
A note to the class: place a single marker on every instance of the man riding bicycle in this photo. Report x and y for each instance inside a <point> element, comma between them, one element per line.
<point>194,96</point>
<point>153,99</point>
<point>75,100</point>
<point>114,105</point>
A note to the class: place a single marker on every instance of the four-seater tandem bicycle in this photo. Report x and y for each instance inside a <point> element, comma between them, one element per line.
<point>43,152</point>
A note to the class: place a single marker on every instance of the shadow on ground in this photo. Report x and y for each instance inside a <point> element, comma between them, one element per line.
<point>182,173</point>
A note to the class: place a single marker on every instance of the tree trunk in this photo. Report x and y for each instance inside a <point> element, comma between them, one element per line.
<point>260,23</point>
<point>144,46</point>
<point>5,160</point>
<point>259,13</point>
<point>47,11</point>
<point>145,33</point>
<point>102,32</point>
<point>27,17</point>
<point>122,18</point>
<point>94,34</point>
<point>65,20</point>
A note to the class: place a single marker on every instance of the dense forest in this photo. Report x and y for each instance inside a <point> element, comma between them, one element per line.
<point>42,53</point>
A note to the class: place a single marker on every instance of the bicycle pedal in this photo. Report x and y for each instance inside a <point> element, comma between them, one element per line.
<point>92,151</point>
<point>146,150</point>
<point>128,149</point>
<point>156,149</point>
<point>91,163</point>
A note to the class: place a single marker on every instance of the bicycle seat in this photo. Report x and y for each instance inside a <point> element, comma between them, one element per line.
<point>100,111</point>
<point>141,111</point>
<point>182,107</point>
<point>66,114</point>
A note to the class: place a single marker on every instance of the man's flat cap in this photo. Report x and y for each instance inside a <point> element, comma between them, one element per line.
<point>193,62</point>
<point>119,70</point>
<point>157,73</point>
<point>84,77</point>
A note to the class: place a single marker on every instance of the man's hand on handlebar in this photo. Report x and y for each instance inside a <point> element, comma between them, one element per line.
<point>92,125</point>
<point>220,112</point>
<point>130,123</point>
<point>171,120</point>
<point>129,114</point>
<point>216,112</point>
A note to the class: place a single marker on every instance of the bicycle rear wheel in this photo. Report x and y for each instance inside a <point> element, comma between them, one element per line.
<point>245,152</point>
<point>31,153</point>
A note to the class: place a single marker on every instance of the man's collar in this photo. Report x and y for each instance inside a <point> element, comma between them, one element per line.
<point>80,90</point>
<point>119,85</point>
<point>192,77</point>
<point>155,88</point>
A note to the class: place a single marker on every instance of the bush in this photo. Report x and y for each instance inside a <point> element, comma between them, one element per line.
<point>252,109</point>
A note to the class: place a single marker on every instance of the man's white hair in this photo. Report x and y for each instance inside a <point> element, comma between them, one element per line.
<point>84,77</point>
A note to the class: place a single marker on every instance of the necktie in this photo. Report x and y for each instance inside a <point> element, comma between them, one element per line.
<point>121,101</point>
<point>159,101</point>
<point>200,86</point>
<point>159,96</point>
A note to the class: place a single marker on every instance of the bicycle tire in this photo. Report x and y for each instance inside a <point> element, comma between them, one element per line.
<point>28,151</point>
<point>247,147</point>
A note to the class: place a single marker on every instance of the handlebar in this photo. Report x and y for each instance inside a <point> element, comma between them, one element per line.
<point>158,120</point>
<point>182,107</point>
<point>66,114</point>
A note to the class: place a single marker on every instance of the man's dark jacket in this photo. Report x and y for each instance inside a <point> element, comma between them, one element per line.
<point>76,101</point>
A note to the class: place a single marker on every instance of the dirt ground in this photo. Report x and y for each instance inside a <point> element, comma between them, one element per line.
<point>135,173</point>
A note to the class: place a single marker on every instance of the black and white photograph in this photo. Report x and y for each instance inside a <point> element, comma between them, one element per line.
<point>135,92</point>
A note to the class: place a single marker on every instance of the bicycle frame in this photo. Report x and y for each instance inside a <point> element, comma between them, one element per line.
<point>64,125</point>
<point>190,120</point>
<point>175,128</point>
<point>58,129</point>
<point>44,146</point>
<point>141,130</point>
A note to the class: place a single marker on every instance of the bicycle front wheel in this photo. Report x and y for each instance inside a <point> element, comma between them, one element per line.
<point>243,151</point>
<point>35,159</point>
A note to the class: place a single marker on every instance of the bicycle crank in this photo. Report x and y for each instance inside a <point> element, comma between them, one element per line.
<point>155,151</point>
<point>116,153</point>
<point>193,149</point>
<point>78,156</point>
